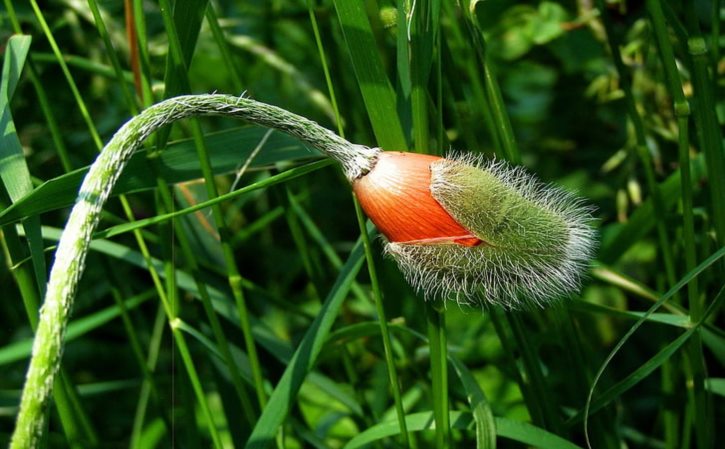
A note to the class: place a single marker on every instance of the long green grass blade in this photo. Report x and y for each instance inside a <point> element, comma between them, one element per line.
<point>305,356</point>
<point>686,279</point>
<point>377,92</point>
<point>505,428</point>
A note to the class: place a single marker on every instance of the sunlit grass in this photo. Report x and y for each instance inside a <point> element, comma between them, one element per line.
<point>276,334</point>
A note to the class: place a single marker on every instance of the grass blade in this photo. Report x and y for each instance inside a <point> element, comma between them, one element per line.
<point>505,428</point>
<point>378,94</point>
<point>177,163</point>
<point>305,356</point>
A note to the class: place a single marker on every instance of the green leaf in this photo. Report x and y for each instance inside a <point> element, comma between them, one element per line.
<point>14,170</point>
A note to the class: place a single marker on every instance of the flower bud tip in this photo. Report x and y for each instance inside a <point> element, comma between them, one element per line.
<point>476,230</point>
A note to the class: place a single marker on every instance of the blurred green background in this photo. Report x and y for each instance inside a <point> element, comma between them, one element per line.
<point>533,82</point>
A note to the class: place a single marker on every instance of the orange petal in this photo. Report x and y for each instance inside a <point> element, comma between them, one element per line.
<point>396,196</point>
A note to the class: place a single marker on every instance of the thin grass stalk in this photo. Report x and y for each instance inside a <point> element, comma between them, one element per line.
<point>129,22</point>
<point>100,180</point>
<point>479,101</point>
<point>73,415</point>
<point>144,66</point>
<point>221,41</point>
<point>577,356</point>
<point>148,379</point>
<point>435,320</point>
<point>405,437</point>
<point>188,362</point>
<point>695,373</point>
<point>219,336</point>
<point>95,137</point>
<point>706,121</point>
<point>702,422</point>
<point>500,117</point>
<point>641,143</point>
<point>233,275</point>
<point>111,53</point>
<point>715,38</point>
<point>670,415</point>
<point>420,33</point>
<point>436,326</point>
<point>533,405</point>
<point>325,68</point>
<point>88,65</point>
<point>145,393</point>
<point>538,388</point>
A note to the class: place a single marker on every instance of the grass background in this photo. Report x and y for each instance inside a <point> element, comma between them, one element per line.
<point>272,323</point>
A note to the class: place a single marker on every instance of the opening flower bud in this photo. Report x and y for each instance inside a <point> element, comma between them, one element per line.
<point>479,231</point>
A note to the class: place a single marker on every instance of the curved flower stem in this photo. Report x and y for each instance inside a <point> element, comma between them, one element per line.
<point>70,256</point>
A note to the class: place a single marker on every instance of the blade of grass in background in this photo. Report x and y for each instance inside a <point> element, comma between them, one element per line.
<point>672,292</point>
<point>305,356</point>
<point>696,373</point>
<point>14,170</point>
<point>378,94</point>
<point>16,182</point>
<point>509,149</point>
<point>505,428</point>
<point>641,146</point>
<point>706,122</point>
<point>177,163</point>
<point>571,120</point>
<point>183,31</point>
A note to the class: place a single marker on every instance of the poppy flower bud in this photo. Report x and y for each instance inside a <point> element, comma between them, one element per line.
<point>476,230</point>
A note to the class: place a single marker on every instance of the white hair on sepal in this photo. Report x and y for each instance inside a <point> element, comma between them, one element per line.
<point>536,245</point>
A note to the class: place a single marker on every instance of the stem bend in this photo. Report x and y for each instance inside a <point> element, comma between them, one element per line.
<point>70,256</point>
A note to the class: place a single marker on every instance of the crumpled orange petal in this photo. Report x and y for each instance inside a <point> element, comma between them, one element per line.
<point>396,196</point>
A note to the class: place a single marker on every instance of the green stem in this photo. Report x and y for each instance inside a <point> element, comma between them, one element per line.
<point>696,372</point>
<point>502,124</point>
<point>95,190</point>
<point>641,145</point>
<point>706,122</point>
<point>384,331</point>
<point>439,372</point>
<point>696,375</point>
<point>103,32</point>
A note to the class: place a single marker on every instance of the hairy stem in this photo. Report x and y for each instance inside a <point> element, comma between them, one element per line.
<point>70,256</point>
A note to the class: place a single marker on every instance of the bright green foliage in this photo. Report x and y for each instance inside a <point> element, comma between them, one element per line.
<point>618,102</point>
